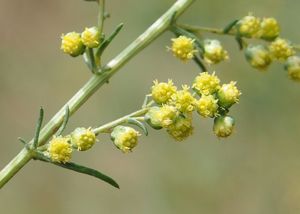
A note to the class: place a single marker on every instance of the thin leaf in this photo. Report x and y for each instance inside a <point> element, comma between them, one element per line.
<point>38,128</point>
<point>230,26</point>
<point>22,140</point>
<point>240,42</point>
<point>138,124</point>
<point>64,124</point>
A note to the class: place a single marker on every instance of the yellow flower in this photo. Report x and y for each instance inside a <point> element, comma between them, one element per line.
<point>249,26</point>
<point>60,150</point>
<point>183,100</point>
<point>223,126</point>
<point>214,52</point>
<point>125,138</point>
<point>91,37</point>
<point>207,106</point>
<point>228,94</point>
<point>183,48</point>
<point>162,92</point>
<point>181,129</point>
<point>206,83</point>
<point>269,29</point>
<point>258,56</point>
<point>165,116</point>
<point>71,44</point>
<point>292,66</point>
<point>281,49</point>
<point>83,139</point>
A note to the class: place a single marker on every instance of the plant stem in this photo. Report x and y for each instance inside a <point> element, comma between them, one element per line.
<point>101,5</point>
<point>96,81</point>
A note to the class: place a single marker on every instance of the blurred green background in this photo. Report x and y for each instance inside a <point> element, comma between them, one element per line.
<point>257,170</point>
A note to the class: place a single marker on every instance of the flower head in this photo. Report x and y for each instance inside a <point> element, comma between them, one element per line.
<point>249,26</point>
<point>258,56</point>
<point>228,95</point>
<point>162,92</point>
<point>163,116</point>
<point>125,138</point>
<point>269,29</point>
<point>91,37</point>
<point>207,106</point>
<point>281,49</point>
<point>214,52</point>
<point>183,48</point>
<point>60,150</point>
<point>83,139</point>
<point>71,44</point>
<point>292,66</point>
<point>223,126</point>
<point>206,83</point>
<point>181,128</point>
<point>183,100</point>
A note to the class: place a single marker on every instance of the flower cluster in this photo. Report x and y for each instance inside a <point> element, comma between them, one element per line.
<point>210,99</point>
<point>74,43</point>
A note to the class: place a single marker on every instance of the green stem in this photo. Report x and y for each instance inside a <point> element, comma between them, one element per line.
<point>96,81</point>
<point>101,5</point>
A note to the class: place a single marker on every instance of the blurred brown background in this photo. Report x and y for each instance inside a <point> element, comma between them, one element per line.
<point>257,170</point>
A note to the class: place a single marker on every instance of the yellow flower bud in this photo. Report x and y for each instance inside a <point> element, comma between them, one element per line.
<point>207,106</point>
<point>292,66</point>
<point>152,117</point>
<point>71,44</point>
<point>125,138</point>
<point>223,126</point>
<point>183,48</point>
<point>206,83</point>
<point>258,56</point>
<point>83,139</point>
<point>281,49</point>
<point>162,92</point>
<point>164,116</point>
<point>214,52</point>
<point>91,37</point>
<point>269,29</point>
<point>183,100</point>
<point>248,26</point>
<point>60,150</point>
<point>228,95</point>
<point>181,128</point>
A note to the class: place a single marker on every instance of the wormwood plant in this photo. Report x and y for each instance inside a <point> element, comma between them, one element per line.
<point>166,107</point>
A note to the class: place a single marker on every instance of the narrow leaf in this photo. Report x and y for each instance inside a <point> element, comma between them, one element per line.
<point>38,128</point>
<point>230,26</point>
<point>64,124</point>
<point>22,140</point>
<point>240,42</point>
<point>138,124</point>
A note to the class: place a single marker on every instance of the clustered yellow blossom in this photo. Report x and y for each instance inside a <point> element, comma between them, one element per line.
<point>292,66</point>
<point>60,150</point>
<point>74,43</point>
<point>228,94</point>
<point>162,92</point>
<point>207,106</point>
<point>125,138</point>
<point>181,128</point>
<point>206,83</point>
<point>258,56</point>
<point>281,49</point>
<point>83,139</point>
<point>183,100</point>
<point>183,48</point>
<point>249,26</point>
<point>269,29</point>
<point>214,52</point>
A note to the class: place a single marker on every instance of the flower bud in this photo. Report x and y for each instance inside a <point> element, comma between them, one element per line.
<point>125,138</point>
<point>223,126</point>
<point>205,83</point>
<point>162,92</point>
<point>183,48</point>
<point>214,52</point>
<point>71,44</point>
<point>183,100</point>
<point>162,116</point>
<point>91,37</point>
<point>83,139</point>
<point>152,117</point>
<point>207,106</point>
<point>60,150</point>
<point>281,49</point>
<point>228,95</point>
<point>248,26</point>
<point>292,66</point>
<point>181,128</point>
<point>269,29</point>
<point>258,56</point>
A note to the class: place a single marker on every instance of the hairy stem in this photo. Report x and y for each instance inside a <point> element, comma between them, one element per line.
<point>96,81</point>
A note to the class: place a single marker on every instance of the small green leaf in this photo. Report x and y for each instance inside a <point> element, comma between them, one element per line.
<point>240,41</point>
<point>38,129</point>
<point>230,26</point>
<point>138,124</point>
<point>22,140</point>
<point>64,124</point>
